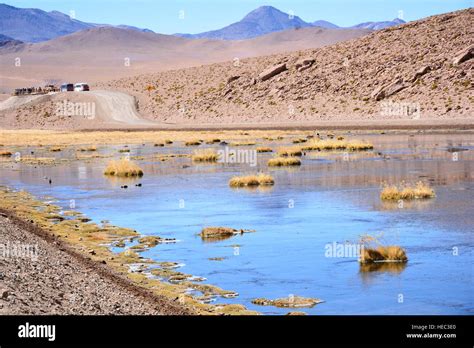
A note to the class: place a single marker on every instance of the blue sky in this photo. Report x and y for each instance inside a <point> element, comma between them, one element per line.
<point>163,16</point>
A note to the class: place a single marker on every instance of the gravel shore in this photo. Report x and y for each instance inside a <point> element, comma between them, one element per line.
<point>51,278</point>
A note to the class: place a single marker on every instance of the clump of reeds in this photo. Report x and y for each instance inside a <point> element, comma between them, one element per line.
<point>290,151</point>
<point>374,251</point>
<point>420,190</point>
<point>207,155</point>
<point>251,180</point>
<point>392,253</point>
<point>87,148</point>
<point>243,143</point>
<point>284,161</point>
<point>332,144</point>
<point>193,142</point>
<point>264,149</point>
<point>123,168</point>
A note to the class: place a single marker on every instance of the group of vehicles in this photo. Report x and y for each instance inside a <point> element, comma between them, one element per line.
<point>66,87</point>
<point>78,87</point>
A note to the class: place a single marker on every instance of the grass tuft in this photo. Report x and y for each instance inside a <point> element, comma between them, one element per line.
<point>123,168</point>
<point>251,180</point>
<point>383,253</point>
<point>406,192</point>
<point>290,151</point>
<point>193,142</point>
<point>207,155</point>
<point>264,149</point>
<point>284,161</point>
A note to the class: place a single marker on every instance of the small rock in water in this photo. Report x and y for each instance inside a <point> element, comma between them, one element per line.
<point>139,184</point>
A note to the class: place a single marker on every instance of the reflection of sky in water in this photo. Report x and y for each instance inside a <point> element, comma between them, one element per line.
<point>334,201</point>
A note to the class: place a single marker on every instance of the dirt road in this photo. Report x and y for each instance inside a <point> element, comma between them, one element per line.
<point>112,108</point>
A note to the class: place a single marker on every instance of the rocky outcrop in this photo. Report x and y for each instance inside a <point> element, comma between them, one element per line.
<point>272,71</point>
<point>389,90</point>
<point>464,55</point>
<point>422,71</point>
<point>304,64</point>
<point>232,79</point>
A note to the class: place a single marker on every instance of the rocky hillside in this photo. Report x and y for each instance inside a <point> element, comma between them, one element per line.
<point>422,69</point>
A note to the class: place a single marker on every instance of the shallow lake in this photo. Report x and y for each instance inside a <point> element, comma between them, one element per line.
<point>331,199</point>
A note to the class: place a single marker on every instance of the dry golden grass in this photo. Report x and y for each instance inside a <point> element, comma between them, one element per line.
<point>193,142</point>
<point>87,148</point>
<point>264,149</point>
<point>383,253</point>
<point>123,168</point>
<point>206,155</point>
<point>243,143</point>
<point>290,151</point>
<point>251,180</point>
<point>406,192</point>
<point>284,161</point>
<point>331,144</point>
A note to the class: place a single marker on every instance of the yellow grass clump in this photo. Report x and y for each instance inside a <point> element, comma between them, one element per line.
<point>420,190</point>
<point>251,180</point>
<point>284,161</point>
<point>207,155</point>
<point>123,168</point>
<point>300,140</point>
<point>332,144</point>
<point>391,253</point>
<point>243,143</point>
<point>290,151</point>
<point>193,142</point>
<point>87,148</point>
<point>264,149</point>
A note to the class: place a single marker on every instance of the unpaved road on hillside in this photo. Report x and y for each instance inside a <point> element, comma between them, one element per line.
<point>119,107</point>
<point>116,108</point>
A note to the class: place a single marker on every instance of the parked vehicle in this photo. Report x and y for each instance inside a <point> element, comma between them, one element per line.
<point>67,87</point>
<point>81,87</point>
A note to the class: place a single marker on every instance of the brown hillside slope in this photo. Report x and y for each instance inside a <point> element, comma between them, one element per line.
<point>349,80</point>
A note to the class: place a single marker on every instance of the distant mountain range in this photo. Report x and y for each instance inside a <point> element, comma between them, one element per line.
<point>35,25</point>
<point>263,20</point>
<point>268,19</point>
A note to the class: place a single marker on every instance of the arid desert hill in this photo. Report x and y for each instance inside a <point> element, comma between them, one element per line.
<point>425,65</point>
<point>104,53</point>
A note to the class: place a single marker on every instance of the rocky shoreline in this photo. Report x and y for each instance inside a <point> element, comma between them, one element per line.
<point>54,279</point>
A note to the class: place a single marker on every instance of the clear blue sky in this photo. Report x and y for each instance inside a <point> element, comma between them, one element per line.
<point>163,16</point>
